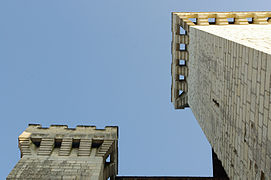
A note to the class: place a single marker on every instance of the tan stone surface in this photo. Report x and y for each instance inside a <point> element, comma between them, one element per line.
<point>228,61</point>
<point>253,35</point>
<point>212,21</point>
<point>59,152</point>
<point>228,84</point>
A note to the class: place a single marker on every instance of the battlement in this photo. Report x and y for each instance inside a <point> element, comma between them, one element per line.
<point>181,22</point>
<point>109,132</point>
<point>226,84</point>
<point>35,139</point>
<point>84,146</point>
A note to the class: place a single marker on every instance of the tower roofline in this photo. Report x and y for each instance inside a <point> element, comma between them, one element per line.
<point>181,21</point>
<point>81,152</point>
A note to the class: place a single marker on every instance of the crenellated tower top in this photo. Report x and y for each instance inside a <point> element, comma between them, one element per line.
<point>60,151</point>
<point>181,22</point>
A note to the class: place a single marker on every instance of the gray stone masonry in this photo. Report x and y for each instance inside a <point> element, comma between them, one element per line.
<point>228,86</point>
<point>59,152</point>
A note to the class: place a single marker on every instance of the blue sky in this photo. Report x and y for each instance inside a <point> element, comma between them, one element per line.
<point>101,62</point>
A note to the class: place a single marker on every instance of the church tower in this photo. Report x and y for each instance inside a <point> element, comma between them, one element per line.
<point>221,69</point>
<point>59,152</point>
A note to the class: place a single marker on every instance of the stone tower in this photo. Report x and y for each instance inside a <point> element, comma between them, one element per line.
<point>221,69</point>
<point>59,152</point>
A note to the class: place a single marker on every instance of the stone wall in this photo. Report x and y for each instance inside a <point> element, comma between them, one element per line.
<point>57,168</point>
<point>229,94</point>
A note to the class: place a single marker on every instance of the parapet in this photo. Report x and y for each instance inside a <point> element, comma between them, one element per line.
<point>94,150</point>
<point>35,139</point>
<point>181,21</point>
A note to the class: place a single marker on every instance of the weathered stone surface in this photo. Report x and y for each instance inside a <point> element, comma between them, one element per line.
<point>59,152</point>
<point>228,87</point>
<point>181,23</point>
<point>224,94</point>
